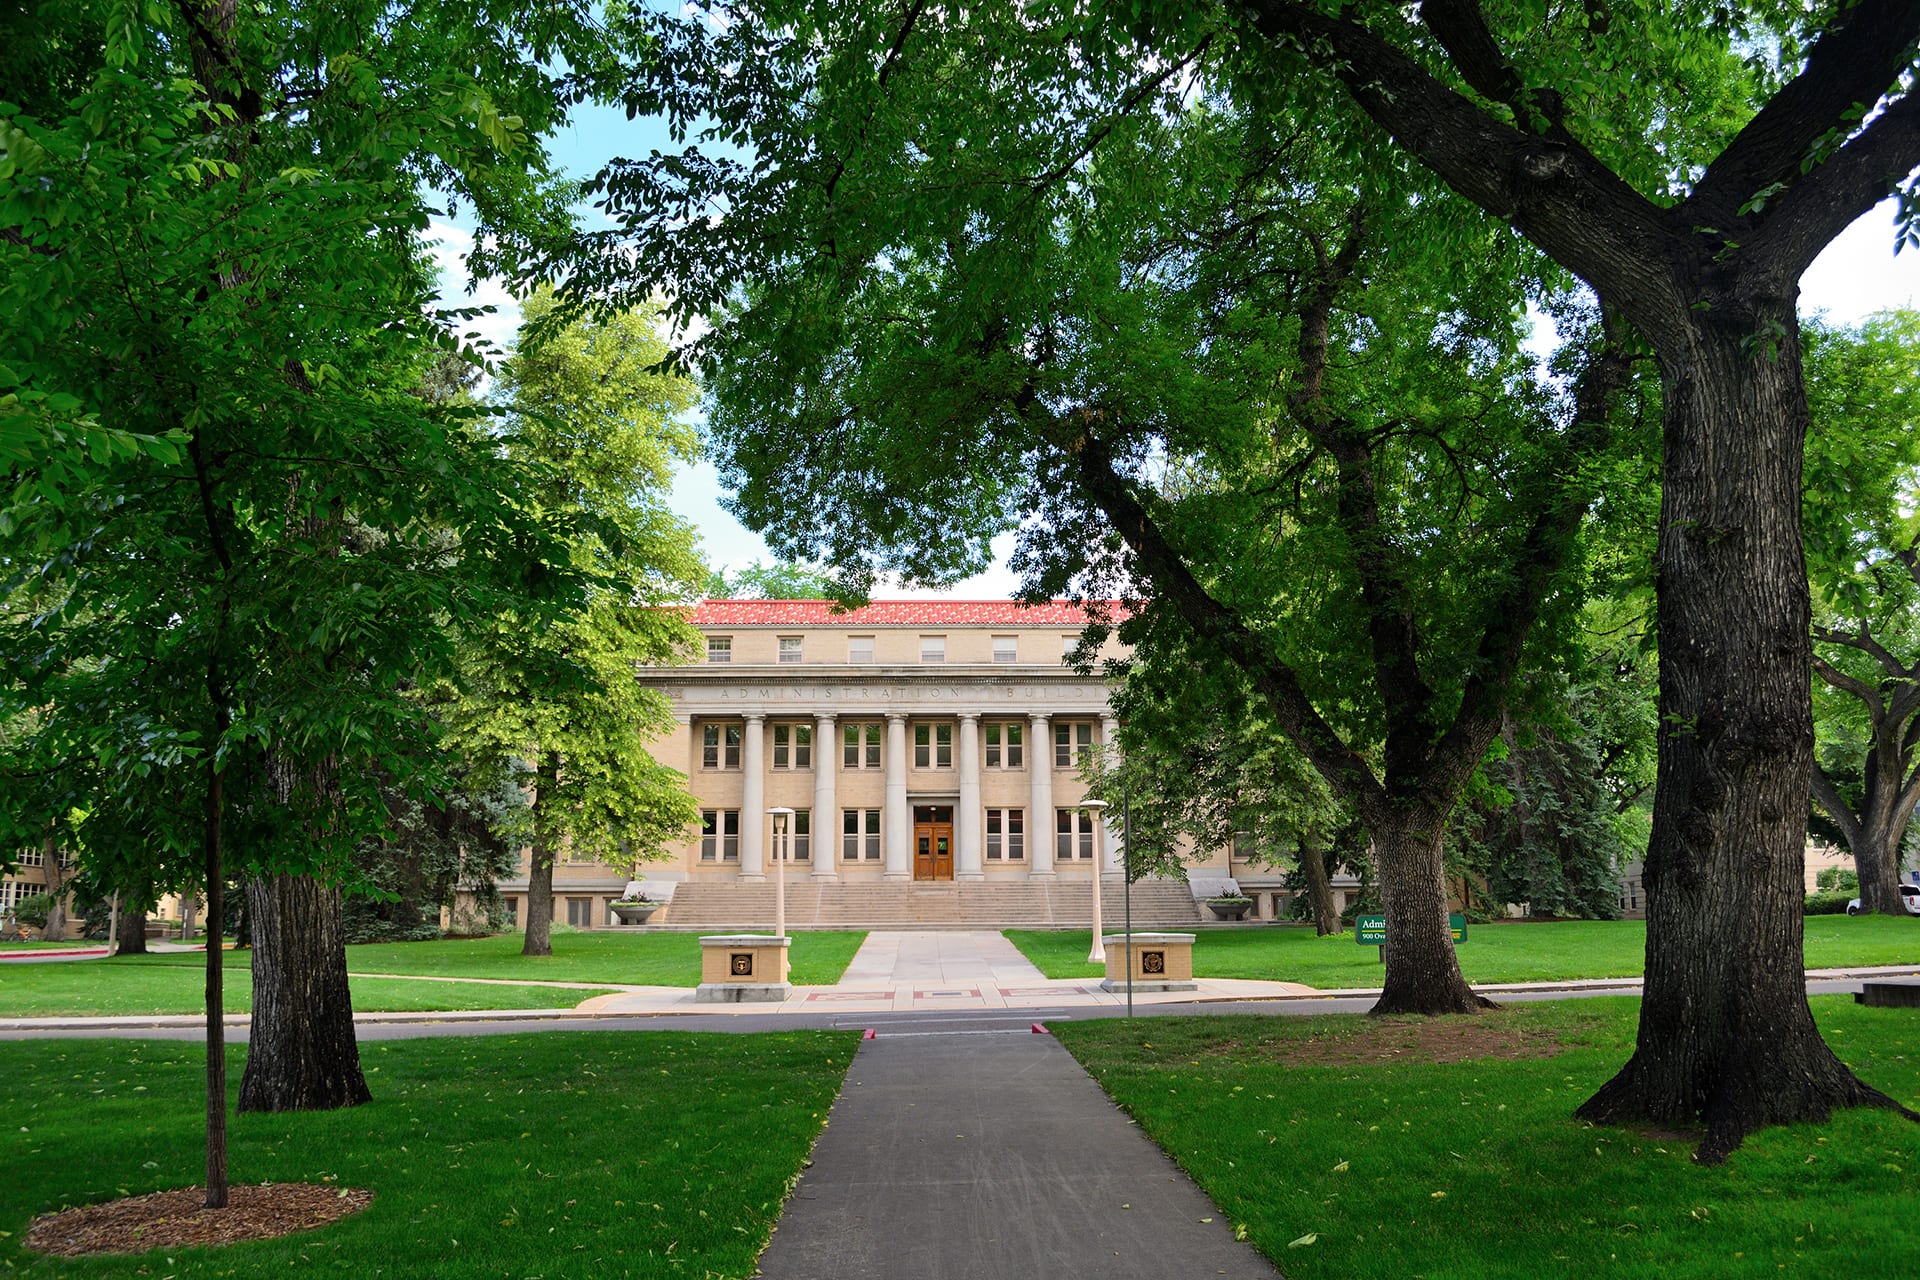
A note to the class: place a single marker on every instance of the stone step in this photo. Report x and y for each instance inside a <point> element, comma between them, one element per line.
<point>1156,904</point>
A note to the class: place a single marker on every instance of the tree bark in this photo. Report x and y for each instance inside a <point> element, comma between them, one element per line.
<point>1313,864</point>
<point>1423,973</point>
<point>56,925</point>
<point>1725,1031</point>
<point>132,928</point>
<point>1891,781</point>
<point>213,854</point>
<point>303,1055</point>
<point>539,937</point>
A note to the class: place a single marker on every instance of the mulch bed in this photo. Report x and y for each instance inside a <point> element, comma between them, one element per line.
<point>1420,1040</point>
<point>176,1219</point>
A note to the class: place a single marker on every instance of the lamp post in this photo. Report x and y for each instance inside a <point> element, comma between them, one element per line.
<point>1126,852</point>
<point>782,818</point>
<point>1097,954</point>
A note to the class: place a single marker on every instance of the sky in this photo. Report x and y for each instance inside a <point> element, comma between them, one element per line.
<point>1857,275</point>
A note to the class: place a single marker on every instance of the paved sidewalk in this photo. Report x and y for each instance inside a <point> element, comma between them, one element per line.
<point>990,1156</point>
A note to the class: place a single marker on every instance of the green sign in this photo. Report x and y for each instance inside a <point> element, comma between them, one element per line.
<point>1371,931</point>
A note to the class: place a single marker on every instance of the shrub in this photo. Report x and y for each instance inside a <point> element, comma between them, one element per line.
<point>1827,904</point>
<point>34,910</point>
<point>1839,880</point>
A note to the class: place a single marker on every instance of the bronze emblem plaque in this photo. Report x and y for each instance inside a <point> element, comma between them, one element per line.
<point>742,964</point>
<point>1153,962</point>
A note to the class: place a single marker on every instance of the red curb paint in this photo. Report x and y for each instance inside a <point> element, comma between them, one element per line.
<point>1039,1028</point>
<point>868,1034</point>
<point>44,954</point>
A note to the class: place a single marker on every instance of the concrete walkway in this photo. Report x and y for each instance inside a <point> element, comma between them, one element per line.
<point>987,1156</point>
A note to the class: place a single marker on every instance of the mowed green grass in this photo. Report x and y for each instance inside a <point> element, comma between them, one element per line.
<point>1522,951</point>
<point>176,983</point>
<point>636,957</point>
<point>1371,1170</point>
<point>573,1154</point>
<point>172,982</point>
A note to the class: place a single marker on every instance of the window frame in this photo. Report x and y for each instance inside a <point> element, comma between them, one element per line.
<point>716,838</point>
<point>866,751</point>
<point>854,649</point>
<point>792,745</point>
<point>1004,742</point>
<point>790,649</point>
<point>1072,743</point>
<point>1073,828</point>
<point>1006,648</point>
<point>933,744</point>
<point>720,744</point>
<point>1006,835</point>
<point>719,649</point>
<point>933,650</point>
<point>862,843</point>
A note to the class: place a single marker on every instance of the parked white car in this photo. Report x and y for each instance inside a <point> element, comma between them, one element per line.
<point>1909,898</point>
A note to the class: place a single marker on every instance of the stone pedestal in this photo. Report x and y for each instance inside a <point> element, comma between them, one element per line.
<point>1161,962</point>
<point>736,968</point>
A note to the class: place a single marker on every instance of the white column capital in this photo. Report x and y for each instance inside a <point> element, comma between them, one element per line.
<point>756,717</point>
<point>896,717</point>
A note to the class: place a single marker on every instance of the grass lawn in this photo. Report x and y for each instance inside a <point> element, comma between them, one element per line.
<point>635,958</point>
<point>575,1154</point>
<point>1516,952</point>
<point>1342,1150</point>
<point>175,984</point>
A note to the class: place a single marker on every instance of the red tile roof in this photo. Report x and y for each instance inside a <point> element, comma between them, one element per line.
<point>893,613</point>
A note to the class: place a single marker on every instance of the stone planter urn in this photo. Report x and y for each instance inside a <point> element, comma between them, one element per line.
<point>634,912</point>
<point>1230,908</point>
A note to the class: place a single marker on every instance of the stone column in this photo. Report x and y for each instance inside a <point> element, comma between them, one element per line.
<point>1113,841</point>
<point>753,799</point>
<point>967,822</point>
<point>1040,798</point>
<point>899,819</point>
<point>826,814</point>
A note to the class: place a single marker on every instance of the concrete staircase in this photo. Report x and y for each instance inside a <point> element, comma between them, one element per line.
<point>1032,904</point>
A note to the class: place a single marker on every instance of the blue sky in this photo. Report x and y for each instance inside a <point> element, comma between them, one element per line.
<point>1857,275</point>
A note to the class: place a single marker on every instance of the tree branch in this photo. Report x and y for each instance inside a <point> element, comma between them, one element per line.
<point>1551,188</point>
<point>1829,797</point>
<point>1824,203</point>
<point>1851,64</point>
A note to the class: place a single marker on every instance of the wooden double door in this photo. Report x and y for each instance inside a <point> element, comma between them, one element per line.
<point>932,842</point>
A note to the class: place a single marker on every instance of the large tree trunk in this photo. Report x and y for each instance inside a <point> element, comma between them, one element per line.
<point>539,921</point>
<point>1423,973</point>
<point>56,927</point>
<point>303,1055</point>
<point>1885,811</point>
<point>1725,1032</point>
<point>1313,864</point>
<point>132,928</point>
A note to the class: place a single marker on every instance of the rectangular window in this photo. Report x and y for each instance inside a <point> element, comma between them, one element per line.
<point>793,746</point>
<point>1006,648</point>
<point>1068,643</point>
<point>1006,744</point>
<point>719,835</point>
<point>860,746</point>
<point>789,648</point>
<point>1073,837</point>
<point>1071,743</point>
<point>933,746</point>
<point>12,891</point>
<point>33,857</point>
<point>860,835</point>
<point>1006,835</point>
<point>511,905</point>
<point>802,837</point>
<point>720,746</point>
<point>580,912</point>
<point>719,648</point>
<point>859,648</point>
<point>933,648</point>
